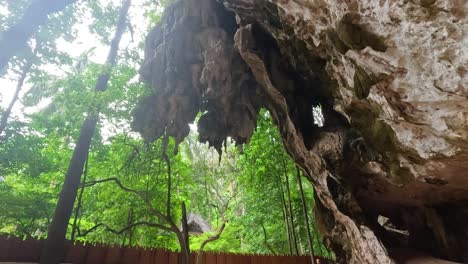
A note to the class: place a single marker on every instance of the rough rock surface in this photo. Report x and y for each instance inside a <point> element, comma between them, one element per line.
<point>193,67</point>
<point>391,77</point>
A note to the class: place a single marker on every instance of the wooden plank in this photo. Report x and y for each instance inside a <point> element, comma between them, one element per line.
<point>162,257</point>
<point>30,250</point>
<point>96,254</point>
<point>193,258</point>
<point>239,259</point>
<point>246,259</point>
<point>113,255</point>
<point>281,260</point>
<point>256,259</point>
<point>130,256</point>
<point>229,258</point>
<point>307,259</point>
<point>16,249</point>
<point>210,258</point>
<point>220,258</point>
<point>76,254</point>
<point>265,260</point>
<point>202,258</point>
<point>4,248</point>
<point>275,260</point>
<point>146,257</point>
<point>303,260</point>
<point>173,258</point>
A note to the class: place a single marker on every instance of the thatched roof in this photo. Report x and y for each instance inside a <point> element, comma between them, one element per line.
<point>197,225</point>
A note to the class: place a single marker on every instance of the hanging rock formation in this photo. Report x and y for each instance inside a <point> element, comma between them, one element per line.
<point>192,65</point>
<point>390,164</point>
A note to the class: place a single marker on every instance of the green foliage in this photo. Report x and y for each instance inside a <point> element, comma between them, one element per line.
<point>244,189</point>
<point>104,15</point>
<point>13,11</point>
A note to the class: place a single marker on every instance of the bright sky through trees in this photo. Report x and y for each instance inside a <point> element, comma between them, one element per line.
<point>85,41</point>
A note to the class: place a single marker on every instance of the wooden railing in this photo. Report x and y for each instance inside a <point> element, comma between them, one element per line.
<point>28,250</point>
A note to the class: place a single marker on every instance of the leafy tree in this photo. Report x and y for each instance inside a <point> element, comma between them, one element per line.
<point>54,246</point>
<point>29,68</point>
<point>16,36</point>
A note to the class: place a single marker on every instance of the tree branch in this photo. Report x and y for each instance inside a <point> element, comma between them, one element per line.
<point>121,231</point>
<point>265,241</point>
<point>153,211</point>
<point>116,181</point>
<point>208,240</point>
<point>168,201</point>
<point>24,73</point>
<point>80,199</point>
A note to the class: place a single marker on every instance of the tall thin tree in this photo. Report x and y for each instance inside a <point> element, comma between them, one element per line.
<point>80,200</point>
<point>16,37</point>
<point>285,215</point>
<point>53,250</point>
<point>19,86</point>
<point>283,200</point>
<point>306,217</point>
<point>290,208</point>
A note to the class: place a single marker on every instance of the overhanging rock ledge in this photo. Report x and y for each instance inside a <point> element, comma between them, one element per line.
<point>390,164</point>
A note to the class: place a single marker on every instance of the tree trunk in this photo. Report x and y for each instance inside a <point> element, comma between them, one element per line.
<point>306,217</point>
<point>184,239</point>
<point>291,216</point>
<point>16,37</point>
<point>53,250</point>
<point>265,241</point>
<point>285,215</point>
<point>19,86</point>
<point>54,245</point>
<point>131,231</point>
<point>78,206</point>
<point>209,240</point>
